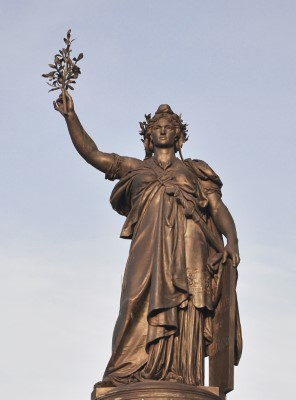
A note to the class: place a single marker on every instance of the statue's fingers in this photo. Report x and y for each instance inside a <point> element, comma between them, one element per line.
<point>236,260</point>
<point>69,99</point>
<point>57,108</point>
<point>224,258</point>
<point>59,100</point>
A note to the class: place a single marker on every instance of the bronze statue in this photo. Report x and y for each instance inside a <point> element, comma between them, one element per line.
<point>171,303</point>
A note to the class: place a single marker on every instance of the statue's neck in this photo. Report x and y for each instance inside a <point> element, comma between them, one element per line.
<point>164,155</point>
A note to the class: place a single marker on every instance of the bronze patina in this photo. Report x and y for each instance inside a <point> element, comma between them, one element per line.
<point>178,302</point>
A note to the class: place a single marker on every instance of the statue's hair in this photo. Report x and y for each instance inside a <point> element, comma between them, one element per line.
<point>163,111</point>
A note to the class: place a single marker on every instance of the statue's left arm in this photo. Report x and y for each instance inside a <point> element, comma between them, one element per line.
<point>225,224</point>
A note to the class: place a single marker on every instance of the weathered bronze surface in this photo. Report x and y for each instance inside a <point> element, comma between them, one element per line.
<point>178,302</point>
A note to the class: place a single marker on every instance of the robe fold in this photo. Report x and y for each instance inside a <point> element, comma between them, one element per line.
<point>172,277</point>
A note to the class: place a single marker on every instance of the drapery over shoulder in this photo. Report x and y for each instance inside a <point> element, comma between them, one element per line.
<point>122,200</point>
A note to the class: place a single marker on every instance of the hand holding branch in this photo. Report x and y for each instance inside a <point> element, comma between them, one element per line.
<point>59,104</point>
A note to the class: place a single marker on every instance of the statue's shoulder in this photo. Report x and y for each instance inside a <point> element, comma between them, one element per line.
<point>203,171</point>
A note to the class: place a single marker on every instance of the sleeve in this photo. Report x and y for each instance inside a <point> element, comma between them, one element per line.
<point>121,166</point>
<point>209,187</point>
<point>114,172</point>
<point>208,180</point>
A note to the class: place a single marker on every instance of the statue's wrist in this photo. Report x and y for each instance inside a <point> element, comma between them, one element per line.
<point>232,241</point>
<point>70,115</point>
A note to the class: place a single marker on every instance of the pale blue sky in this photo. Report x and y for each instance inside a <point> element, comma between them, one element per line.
<point>230,68</point>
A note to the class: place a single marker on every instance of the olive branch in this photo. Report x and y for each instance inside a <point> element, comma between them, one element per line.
<point>65,70</point>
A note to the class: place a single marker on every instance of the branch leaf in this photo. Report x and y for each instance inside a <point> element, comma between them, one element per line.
<point>65,71</point>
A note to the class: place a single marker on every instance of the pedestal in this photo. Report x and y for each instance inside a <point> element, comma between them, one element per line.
<point>156,390</point>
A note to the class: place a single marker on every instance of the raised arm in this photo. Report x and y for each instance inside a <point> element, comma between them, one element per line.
<point>84,144</point>
<point>225,224</point>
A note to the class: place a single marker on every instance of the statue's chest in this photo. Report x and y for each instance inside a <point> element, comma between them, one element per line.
<point>175,175</point>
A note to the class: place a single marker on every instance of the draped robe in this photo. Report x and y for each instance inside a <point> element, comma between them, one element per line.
<point>172,275</point>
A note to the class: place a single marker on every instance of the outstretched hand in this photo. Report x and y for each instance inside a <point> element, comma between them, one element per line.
<point>59,104</point>
<point>231,251</point>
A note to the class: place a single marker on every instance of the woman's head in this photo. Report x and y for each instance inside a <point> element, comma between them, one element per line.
<point>164,111</point>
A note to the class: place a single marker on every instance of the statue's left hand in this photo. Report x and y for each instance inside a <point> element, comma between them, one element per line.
<point>231,251</point>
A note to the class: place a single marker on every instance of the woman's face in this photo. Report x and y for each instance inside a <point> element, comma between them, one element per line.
<point>163,133</point>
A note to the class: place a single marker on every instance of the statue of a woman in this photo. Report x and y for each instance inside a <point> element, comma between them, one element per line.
<point>174,217</point>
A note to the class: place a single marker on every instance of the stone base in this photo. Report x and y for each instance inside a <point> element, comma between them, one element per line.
<point>156,390</point>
